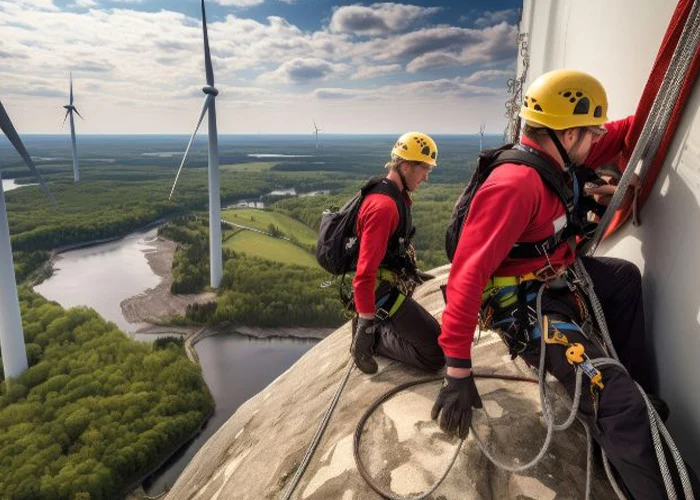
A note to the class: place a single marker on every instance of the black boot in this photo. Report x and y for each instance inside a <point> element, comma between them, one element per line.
<point>362,348</point>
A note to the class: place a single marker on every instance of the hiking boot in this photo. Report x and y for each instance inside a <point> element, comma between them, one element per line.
<point>362,348</point>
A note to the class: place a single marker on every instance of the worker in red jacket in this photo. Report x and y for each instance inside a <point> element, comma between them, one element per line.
<point>389,322</point>
<point>565,122</point>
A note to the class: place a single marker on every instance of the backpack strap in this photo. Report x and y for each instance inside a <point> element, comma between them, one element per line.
<point>555,181</point>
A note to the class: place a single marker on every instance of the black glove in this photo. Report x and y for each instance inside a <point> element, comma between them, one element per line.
<point>362,348</point>
<point>456,399</point>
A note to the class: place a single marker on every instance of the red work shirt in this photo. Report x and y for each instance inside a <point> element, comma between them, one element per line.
<point>513,205</point>
<point>377,220</point>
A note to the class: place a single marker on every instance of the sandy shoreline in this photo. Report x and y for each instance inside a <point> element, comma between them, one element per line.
<point>159,304</point>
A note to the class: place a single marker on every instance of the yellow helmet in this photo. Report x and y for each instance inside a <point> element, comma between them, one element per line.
<point>565,98</point>
<point>415,146</point>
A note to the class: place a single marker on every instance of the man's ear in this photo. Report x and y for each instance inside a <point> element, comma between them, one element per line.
<point>570,137</point>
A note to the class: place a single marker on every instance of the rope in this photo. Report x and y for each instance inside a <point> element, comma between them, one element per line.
<point>661,110</point>
<point>390,394</point>
<point>311,449</point>
<point>654,422</point>
<point>658,429</point>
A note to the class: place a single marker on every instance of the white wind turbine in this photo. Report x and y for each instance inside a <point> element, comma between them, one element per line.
<point>482,128</point>
<point>69,111</point>
<point>216,266</point>
<point>14,356</point>
<point>316,131</point>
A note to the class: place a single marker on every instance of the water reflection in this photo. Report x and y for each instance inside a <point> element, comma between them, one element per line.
<point>102,276</point>
<point>10,184</point>
<point>235,368</point>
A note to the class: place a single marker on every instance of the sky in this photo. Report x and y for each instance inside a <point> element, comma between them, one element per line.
<point>138,65</point>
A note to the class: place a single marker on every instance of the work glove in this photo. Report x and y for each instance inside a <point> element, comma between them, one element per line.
<point>455,400</point>
<point>362,348</point>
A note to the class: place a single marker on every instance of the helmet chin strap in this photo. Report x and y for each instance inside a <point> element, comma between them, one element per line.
<point>562,152</point>
<point>403,179</point>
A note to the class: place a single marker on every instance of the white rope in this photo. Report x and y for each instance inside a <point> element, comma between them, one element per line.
<point>659,115</point>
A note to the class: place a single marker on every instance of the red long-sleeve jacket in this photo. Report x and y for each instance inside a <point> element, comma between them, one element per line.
<point>513,205</point>
<point>377,220</point>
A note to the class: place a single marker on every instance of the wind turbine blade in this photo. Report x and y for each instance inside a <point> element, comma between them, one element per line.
<point>71,88</point>
<point>76,110</point>
<point>207,56</point>
<point>66,117</point>
<point>13,136</point>
<point>205,108</point>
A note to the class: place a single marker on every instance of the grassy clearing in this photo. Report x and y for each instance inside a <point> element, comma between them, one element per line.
<point>261,219</point>
<point>266,247</point>
<point>248,167</point>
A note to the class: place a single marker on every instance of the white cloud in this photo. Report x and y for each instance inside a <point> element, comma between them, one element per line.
<point>83,3</point>
<point>489,74</point>
<point>137,71</point>
<point>460,47</point>
<point>239,3</point>
<point>303,70</point>
<point>489,18</point>
<point>18,5</point>
<point>378,18</point>
<point>366,71</point>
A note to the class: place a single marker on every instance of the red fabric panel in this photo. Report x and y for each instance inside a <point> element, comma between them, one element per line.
<point>658,71</point>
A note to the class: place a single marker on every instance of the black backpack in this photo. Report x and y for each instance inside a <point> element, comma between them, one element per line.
<point>337,245</point>
<point>488,160</point>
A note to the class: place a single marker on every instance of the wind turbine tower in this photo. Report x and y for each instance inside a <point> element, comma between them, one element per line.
<point>216,266</point>
<point>14,356</point>
<point>482,127</point>
<point>316,131</point>
<point>69,111</point>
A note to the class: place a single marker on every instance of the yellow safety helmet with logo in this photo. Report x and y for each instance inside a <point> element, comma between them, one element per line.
<point>416,146</point>
<point>565,98</point>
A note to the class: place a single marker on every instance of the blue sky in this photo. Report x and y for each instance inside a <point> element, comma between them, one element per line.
<point>354,67</point>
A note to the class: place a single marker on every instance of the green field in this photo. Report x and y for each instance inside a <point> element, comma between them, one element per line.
<point>248,167</point>
<point>261,219</point>
<point>269,248</point>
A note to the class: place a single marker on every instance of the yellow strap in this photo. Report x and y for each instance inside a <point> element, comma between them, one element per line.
<point>397,303</point>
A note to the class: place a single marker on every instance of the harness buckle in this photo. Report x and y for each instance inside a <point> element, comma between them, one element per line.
<point>381,314</point>
<point>549,273</point>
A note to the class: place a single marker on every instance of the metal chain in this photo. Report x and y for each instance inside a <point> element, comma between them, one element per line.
<point>515,88</point>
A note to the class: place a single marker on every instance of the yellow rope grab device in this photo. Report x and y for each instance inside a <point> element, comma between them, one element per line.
<point>575,353</point>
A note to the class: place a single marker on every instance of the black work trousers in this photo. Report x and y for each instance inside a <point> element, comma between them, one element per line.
<point>410,336</point>
<point>621,426</point>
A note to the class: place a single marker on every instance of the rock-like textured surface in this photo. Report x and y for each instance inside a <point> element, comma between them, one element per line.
<point>259,448</point>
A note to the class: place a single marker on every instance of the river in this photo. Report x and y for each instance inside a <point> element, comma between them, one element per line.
<point>235,367</point>
<point>10,184</point>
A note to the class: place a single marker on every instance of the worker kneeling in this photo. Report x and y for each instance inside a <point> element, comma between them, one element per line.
<point>389,321</point>
<point>521,222</point>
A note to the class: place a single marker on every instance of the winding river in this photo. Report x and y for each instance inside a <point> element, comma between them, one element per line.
<point>235,367</point>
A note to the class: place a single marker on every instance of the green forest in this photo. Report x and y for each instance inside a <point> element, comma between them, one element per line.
<point>254,291</point>
<point>95,411</point>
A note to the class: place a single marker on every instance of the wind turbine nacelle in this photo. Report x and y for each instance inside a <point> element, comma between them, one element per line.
<point>69,107</point>
<point>210,90</point>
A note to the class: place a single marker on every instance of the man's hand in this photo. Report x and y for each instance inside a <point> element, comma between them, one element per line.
<point>454,405</point>
<point>362,347</point>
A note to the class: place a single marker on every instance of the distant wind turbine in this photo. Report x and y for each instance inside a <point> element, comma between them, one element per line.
<point>316,131</point>
<point>69,111</point>
<point>216,266</point>
<point>14,356</point>
<point>482,128</point>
